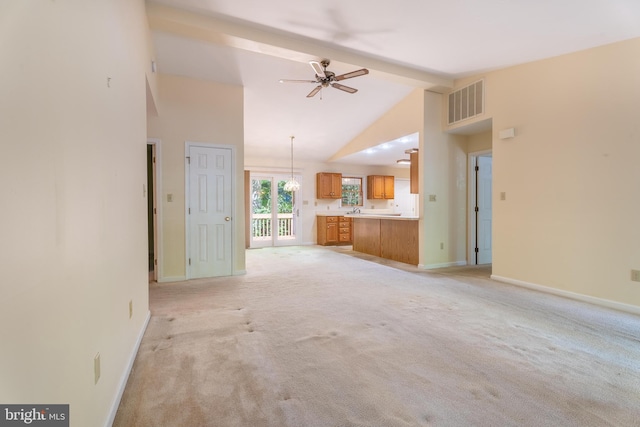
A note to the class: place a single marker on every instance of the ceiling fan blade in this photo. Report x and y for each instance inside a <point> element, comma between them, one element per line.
<point>297,81</point>
<point>352,74</point>
<point>318,68</point>
<point>314,91</point>
<point>344,88</point>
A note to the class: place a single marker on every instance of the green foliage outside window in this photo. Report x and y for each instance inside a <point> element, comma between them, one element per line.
<point>351,191</point>
<point>261,197</point>
<point>285,199</point>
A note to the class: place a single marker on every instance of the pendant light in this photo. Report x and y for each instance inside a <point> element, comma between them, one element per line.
<point>292,185</point>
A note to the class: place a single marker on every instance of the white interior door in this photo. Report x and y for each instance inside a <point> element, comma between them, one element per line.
<point>484,224</point>
<point>209,212</point>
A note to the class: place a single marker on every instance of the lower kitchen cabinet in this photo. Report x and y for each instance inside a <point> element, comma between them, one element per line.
<point>334,230</point>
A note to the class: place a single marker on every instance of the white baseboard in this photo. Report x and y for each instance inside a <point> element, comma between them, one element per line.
<point>442,265</point>
<point>125,374</point>
<point>239,272</point>
<point>172,279</point>
<point>572,295</point>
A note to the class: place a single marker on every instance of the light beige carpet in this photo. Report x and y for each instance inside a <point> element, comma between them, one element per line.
<point>314,337</point>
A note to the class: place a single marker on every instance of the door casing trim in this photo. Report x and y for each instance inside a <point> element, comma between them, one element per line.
<point>157,193</point>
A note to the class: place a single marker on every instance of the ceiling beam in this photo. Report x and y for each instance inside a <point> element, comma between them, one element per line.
<point>242,35</point>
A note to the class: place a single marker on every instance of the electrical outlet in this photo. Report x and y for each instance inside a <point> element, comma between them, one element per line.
<point>432,197</point>
<point>96,368</point>
<point>635,275</point>
<point>130,309</point>
<point>503,195</point>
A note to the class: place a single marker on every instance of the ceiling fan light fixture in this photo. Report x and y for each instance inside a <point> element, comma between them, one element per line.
<point>403,161</point>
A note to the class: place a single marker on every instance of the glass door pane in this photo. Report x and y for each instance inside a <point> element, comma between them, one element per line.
<point>286,217</point>
<point>261,212</point>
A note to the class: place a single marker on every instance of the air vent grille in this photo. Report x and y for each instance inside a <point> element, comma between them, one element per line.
<point>466,102</point>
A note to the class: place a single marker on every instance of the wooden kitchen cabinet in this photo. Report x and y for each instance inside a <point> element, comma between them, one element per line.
<point>399,241</point>
<point>387,238</point>
<point>344,230</point>
<point>413,174</point>
<point>380,187</point>
<point>333,230</point>
<point>328,185</point>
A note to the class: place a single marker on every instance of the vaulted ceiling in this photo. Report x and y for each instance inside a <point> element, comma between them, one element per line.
<point>405,44</point>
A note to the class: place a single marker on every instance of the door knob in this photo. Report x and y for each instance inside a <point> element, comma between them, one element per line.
<point>227,218</point>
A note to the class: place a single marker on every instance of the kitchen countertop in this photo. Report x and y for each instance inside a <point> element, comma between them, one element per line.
<point>382,215</point>
<point>331,213</point>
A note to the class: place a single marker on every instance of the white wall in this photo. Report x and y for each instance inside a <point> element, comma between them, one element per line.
<point>404,118</point>
<point>73,218</point>
<point>443,174</point>
<point>570,175</point>
<point>195,111</point>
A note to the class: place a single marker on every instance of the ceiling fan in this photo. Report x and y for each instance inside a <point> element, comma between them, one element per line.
<point>326,78</point>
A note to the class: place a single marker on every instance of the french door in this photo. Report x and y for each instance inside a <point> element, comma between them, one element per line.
<point>274,212</point>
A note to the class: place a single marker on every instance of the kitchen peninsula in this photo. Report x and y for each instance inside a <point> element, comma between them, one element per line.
<point>386,236</point>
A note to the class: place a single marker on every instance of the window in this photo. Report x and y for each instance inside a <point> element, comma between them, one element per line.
<point>351,191</point>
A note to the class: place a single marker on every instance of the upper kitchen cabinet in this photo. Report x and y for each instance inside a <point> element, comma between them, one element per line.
<point>328,185</point>
<point>380,187</point>
<point>413,174</point>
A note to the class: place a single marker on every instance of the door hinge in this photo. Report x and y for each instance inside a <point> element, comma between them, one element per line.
<point>189,211</point>
<point>477,168</point>
<point>155,262</point>
<point>154,160</point>
<point>477,250</point>
<point>154,211</point>
<point>476,209</point>
<point>190,259</point>
<point>188,159</point>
